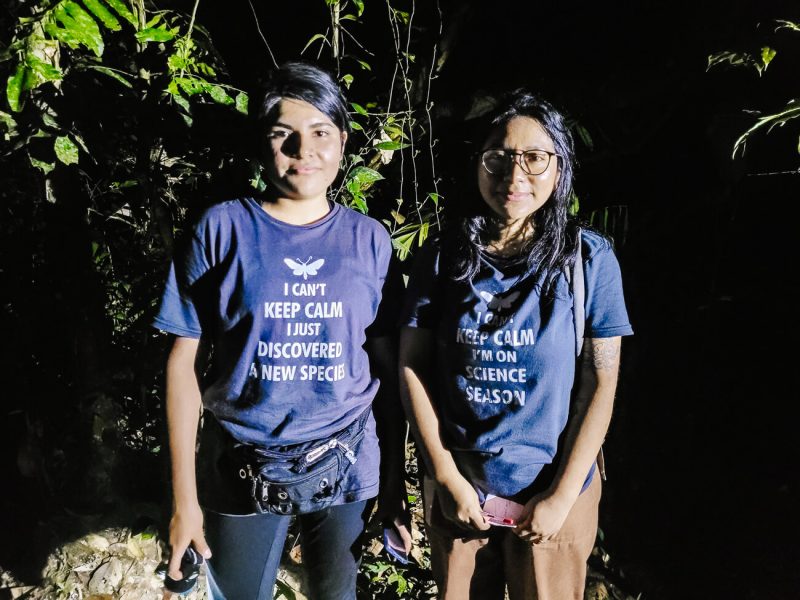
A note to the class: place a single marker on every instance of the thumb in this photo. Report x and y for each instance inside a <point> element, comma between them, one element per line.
<point>202,548</point>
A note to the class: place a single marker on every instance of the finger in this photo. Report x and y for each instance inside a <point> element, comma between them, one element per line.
<point>479,522</point>
<point>174,566</point>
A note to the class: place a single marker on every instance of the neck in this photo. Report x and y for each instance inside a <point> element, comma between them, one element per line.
<point>508,238</point>
<point>296,212</point>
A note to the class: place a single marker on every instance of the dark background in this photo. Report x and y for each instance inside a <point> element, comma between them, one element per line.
<point>702,454</point>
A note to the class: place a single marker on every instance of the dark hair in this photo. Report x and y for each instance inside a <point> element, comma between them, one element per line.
<point>304,81</point>
<point>552,247</point>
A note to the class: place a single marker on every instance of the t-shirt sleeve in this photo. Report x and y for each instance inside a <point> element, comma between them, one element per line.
<point>385,322</point>
<point>178,312</point>
<point>422,305</point>
<point>606,315</point>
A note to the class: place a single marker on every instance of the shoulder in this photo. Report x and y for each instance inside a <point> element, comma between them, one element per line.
<point>594,244</point>
<point>221,215</point>
<point>364,226</point>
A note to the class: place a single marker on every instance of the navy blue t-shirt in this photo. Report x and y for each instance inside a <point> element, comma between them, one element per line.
<point>287,309</point>
<point>506,359</point>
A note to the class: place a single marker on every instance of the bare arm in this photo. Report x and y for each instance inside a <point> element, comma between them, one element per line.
<point>183,414</point>
<point>457,497</point>
<point>391,427</point>
<point>591,415</point>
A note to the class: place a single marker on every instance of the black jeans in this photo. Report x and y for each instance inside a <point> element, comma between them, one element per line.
<point>247,551</point>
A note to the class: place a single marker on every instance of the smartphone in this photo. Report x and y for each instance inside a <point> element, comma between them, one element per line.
<point>394,546</point>
<point>502,512</point>
<point>498,521</point>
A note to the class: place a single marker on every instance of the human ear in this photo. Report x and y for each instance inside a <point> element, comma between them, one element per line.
<point>343,136</point>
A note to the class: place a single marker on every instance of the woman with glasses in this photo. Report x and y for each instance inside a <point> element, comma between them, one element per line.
<point>274,304</point>
<point>508,422</point>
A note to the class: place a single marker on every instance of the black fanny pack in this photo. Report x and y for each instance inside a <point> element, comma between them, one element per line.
<point>301,478</point>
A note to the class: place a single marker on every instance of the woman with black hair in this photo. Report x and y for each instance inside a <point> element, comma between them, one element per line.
<point>278,299</point>
<point>508,422</point>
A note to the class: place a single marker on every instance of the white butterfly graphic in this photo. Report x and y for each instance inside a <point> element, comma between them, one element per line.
<point>498,303</point>
<point>304,268</point>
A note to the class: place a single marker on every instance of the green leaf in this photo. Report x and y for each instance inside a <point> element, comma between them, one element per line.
<point>364,65</point>
<point>192,85</point>
<point>121,7</point>
<point>365,176</point>
<point>14,88</point>
<point>155,34</point>
<point>219,95</point>
<point>782,24</point>
<point>182,102</point>
<point>8,121</point>
<point>242,102</point>
<point>354,125</point>
<point>435,197</point>
<point>44,167</point>
<point>79,28</point>
<point>359,109</point>
<point>66,150</point>
<point>49,120</point>
<point>360,6</point>
<point>99,10</point>
<point>205,69</point>
<point>348,17</point>
<point>767,54</point>
<point>347,80</point>
<point>113,74</point>
<point>43,71</point>
<point>313,39</point>
<point>176,62</point>
<point>391,146</point>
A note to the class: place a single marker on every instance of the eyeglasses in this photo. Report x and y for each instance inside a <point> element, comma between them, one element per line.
<point>533,162</point>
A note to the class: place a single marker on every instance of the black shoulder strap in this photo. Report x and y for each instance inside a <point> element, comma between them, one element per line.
<point>578,297</point>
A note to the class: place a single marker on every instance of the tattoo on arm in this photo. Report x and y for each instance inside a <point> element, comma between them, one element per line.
<point>605,353</point>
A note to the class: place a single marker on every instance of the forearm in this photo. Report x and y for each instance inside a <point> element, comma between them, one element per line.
<point>416,363</point>
<point>183,413</point>
<point>591,415</point>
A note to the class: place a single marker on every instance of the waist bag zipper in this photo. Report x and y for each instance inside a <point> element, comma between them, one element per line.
<point>328,446</point>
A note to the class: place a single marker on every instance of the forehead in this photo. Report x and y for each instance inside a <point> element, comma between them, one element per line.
<point>298,114</point>
<point>520,133</point>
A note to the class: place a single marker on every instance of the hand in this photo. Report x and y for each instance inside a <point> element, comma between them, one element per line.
<point>185,527</point>
<point>546,514</point>
<point>459,503</point>
<point>391,501</point>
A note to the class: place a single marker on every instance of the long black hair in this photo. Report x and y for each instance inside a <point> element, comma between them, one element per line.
<point>551,248</point>
<point>301,80</point>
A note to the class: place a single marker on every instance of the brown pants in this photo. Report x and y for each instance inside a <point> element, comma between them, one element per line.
<point>481,568</point>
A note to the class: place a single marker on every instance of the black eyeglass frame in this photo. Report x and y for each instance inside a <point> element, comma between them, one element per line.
<point>515,155</point>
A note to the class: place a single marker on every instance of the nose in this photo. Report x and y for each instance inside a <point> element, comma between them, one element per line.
<point>296,145</point>
<point>514,170</point>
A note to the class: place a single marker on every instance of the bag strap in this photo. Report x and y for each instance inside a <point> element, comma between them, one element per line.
<point>578,288</point>
<point>575,275</point>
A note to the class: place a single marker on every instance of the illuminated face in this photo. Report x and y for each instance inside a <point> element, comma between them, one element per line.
<point>303,151</point>
<point>512,193</point>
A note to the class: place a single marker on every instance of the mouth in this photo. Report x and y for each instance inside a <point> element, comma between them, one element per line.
<point>514,196</point>
<point>302,170</point>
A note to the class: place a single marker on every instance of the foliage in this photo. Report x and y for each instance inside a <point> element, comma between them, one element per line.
<point>120,122</point>
<point>760,61</point>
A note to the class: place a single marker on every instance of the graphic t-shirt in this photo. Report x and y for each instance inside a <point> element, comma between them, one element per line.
<point>506,359</point>
<point>287,310</point>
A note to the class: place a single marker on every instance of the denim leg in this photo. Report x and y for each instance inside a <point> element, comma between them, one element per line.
<point>331,542</point>
<point>247,553</point>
